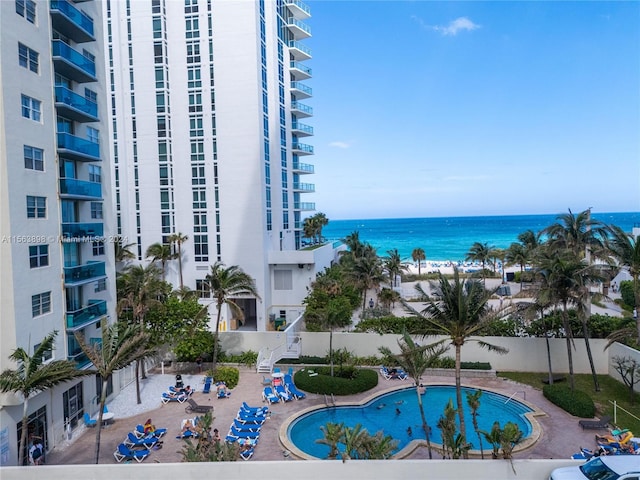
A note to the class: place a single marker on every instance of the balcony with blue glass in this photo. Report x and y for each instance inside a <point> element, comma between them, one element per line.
<point>87,231</point>
<point>81,274</point>
<point>299,71</point>
<point>301,129</point>
<point>71,22</point>
<point>75,107</point>
<point>304,206</point>
<point>298,9</point>
<point>298,28</point>
<point>301,148</point>
<point>78,149</point>
<point>302,168</point>
<point>304,187</point>
<point>300,90</point>
<point>299,51</point>
<point>92,313</point>
<point>74,189</point>
<point>72,64</point>
<point>301,110</point>
<point>75,353</point>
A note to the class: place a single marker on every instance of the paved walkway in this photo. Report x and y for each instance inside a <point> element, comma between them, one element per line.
<point>561,434</point>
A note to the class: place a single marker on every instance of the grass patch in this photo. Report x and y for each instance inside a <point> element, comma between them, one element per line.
<point>347,381</point>
<point>610,390</point>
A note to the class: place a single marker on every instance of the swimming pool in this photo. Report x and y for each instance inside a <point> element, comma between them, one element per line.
<point>396,411</point>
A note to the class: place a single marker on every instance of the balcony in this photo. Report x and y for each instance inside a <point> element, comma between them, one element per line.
<point>79,149</point>
<point>302,148</point>
<point>73,189</point>
<point>302,168</point>
<point>86,231</point>
<point>301,110</point>
<point>71,22</point>
<point>298,28</point>
<point>299,71</point>
<point>304,187</point>
<point>75,107</point>
<point>304,206</point>
<point>301,130</point>
<point>72,64</point>
<point>81,274</point>
<point>298,9</point>
<point>299,51</point>
<point>300,90</point>
<point>93,312</point>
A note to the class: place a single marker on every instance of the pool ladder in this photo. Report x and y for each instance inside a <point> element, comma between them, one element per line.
<point>326,400</point>
<point>524,396</point>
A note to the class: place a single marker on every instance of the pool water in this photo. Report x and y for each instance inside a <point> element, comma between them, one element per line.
<point>393,413</point>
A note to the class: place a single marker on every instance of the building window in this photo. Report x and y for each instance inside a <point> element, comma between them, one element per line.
<point>98,248</point>
<point>28,58</point>
<point>199,198</point>
<point>282,280</point>
<point>38,256</point>
<point>100,285</point>
<point>96,210</point>
<point>203,289</point>
<point>193,52</point>
<point>93,134</point>
<point>33,158</point>
<point>47,355</point>
<point>40,304</point>
<point>73,404</point>
<point>201,248</point>
<point>193,78</point>
<point>26,9</point>
<point>95,174</point>
<point>36,207</point>
<point>31,108</point>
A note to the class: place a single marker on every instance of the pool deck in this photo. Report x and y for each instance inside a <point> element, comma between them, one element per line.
<point>560,435</point>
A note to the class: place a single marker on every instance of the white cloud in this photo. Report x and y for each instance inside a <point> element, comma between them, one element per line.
<point>339,144</point>
<point>455,26</point>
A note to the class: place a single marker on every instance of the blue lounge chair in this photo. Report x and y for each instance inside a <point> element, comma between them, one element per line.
<point>283,394</point>
<point>88,421</point>
<point>166,398</point>
<point>234,432</point>
<point>105,409</point>
<point>269,396</point>
<point>247,454</point>
<point>257,410</point>
<point>246,427</point>
<point>250,419</point>
<point>158,432</point>
<point>293,390</point>
<point>207,385</point>
<point>125,453</point>
<point>133,441</point>
<point>290,371</point>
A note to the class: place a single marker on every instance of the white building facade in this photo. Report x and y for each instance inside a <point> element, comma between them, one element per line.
<point>208,104</point>
<point>56,255</point>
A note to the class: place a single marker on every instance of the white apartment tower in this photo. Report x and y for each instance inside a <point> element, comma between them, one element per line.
<point>207,100</point>
<point>56,257</point>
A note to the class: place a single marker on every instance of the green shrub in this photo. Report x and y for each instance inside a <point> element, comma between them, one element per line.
<point>397,325</point>
<point>626,292</point>
<point>353,380</point>
<point>228,375</point>
<point>526,276</point>
<point>475,365</point>
<point>248,358</point>
<point>577,403</point>
<point>303,360</point>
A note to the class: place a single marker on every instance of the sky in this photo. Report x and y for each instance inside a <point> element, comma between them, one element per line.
<point>431,109</point>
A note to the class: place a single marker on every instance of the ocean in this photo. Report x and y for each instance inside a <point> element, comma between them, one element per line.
<point>450,238</point>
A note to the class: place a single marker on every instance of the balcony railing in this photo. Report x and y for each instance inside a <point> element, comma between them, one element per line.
<point>298,28</point>
<point>303,168</point>
<point>298,8</point>
<point>305,206</point>
<point>301,110</point>
<point>76,148</point>
<point>80,189</point>
<point>300,71</point>
<point>86,315</point>
<point>75,353</point>
<point>72,64</point>
<point>302,148</point>
<point>75,107</point>
<point>299,50</point>
<point>304,187</point>
<point>71,22</point>
<point>301,90</point>
<point>89,272</point>
<point>83,230</point>
<point>301,129</point>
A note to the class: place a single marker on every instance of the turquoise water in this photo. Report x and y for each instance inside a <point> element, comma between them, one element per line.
<point>450,238</point>
<point>380,414</point>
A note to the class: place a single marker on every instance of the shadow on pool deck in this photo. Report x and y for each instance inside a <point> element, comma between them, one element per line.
<point>561,435</point>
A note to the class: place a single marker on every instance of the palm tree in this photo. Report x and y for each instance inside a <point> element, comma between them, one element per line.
<point>415,359</point>
<point>473,400</point>
<point>393,264</point>
<point>462,312</point>
<point>321,221</point>
<point>178,239</point>
<point>160,253</point>
<point>309,228</point>
<point>418,255</point>
<point>121,345</point>
<point>480,252</point>
<point>517,255</point>
<point>332,434</point>
<point>576,233</point>
<point>225,283</point>
<point>32,376</point>
<point>388,298</point>
<point>624,249</point>
<point>530,241</point>
<point>353,440</point>
<point>122,252</point>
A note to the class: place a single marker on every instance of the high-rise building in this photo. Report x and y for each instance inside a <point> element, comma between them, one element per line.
<point>56,252</point>
<point>207,100</point>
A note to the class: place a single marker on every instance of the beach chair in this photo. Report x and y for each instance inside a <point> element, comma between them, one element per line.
<point>207,385</point>
<point>234,432</point>
<point>247,454</point>
<point>133,441</point>
<point>246,427</point>
<point>292,389</point>
<point>157,433</point>
<point>125,453</point>
<point>269,396</point>
<point>255,410</point>
<point>88,421</point>
<point>283,394</point>
<point>166,398</point>
<point>194,407</point>
<point>595,424</point>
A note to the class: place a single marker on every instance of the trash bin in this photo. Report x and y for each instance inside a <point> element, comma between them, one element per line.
<point>179,382</point>
<point>511,276</point>
<point>280,323</point>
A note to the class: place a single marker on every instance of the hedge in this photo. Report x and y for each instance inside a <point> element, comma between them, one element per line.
<point>347,381</point>
<point>577,403</point>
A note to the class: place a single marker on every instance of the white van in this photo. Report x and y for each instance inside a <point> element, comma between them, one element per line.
<point>607,467</point>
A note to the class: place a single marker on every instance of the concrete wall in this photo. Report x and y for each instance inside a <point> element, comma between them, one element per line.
<point>301,470</point>
<point>619,350</point>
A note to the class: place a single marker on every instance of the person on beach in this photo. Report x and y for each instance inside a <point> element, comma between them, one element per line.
<point>216,436</point>
<point>149,427</point>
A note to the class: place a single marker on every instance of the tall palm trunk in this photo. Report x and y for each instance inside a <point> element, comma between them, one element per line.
<point>463,431</point>
<point>425,426</point>
<point>180,264</point>
<point>215,336</point>
<point>25,432</point>
<point>103,400</point>
<point>568,335</point>
<point>138,397</point>
<point>331,349</point>
<point>584,313</point>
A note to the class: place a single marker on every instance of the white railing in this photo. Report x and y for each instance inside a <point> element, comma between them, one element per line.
<point>615,411</point>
